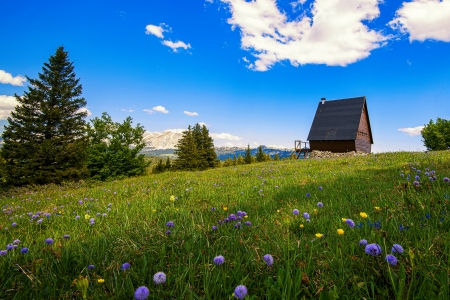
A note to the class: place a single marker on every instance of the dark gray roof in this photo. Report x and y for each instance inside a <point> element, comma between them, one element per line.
<point>338,120</point>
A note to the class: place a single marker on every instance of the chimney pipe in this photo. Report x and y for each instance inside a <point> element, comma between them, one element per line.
<point>323,100</point>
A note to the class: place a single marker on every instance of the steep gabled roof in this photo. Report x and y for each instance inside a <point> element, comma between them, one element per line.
<point>338,120</point>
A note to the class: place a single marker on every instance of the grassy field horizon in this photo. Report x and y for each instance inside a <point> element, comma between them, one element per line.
<point>313,217</point>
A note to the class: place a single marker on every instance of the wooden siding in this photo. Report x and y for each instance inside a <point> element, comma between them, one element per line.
<point>363,135</point>
<point>333,146</point>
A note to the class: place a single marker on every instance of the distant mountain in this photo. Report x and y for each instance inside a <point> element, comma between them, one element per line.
<point>162,140</point>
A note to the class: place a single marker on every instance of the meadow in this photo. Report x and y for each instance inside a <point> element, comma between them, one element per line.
<point>291,229</point>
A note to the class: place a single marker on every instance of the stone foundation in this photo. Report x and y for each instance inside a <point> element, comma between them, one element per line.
<point>327,154</point>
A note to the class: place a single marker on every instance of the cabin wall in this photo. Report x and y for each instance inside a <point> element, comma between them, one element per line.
<point>333,146</point>
<point>363,138</point>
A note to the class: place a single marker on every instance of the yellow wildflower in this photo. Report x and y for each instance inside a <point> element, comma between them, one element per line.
<point>225,208</point>
<point>377,208</point>
<point>319,235</point>
<point>363,214</point>
<point>154,210</point>
<point>86,217</point>
<point>344,219</point>
<point>315,211</point>
<point>278,210</point>
<point>340,231</point>
<point>172,198</point>
<point>101,280</point>
<point>301,226</point>
<point>246,216</point>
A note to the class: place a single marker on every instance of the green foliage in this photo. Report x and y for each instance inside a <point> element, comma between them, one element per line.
<point>276,157</point>
<point>45,140</point>
<point>260,155</point>
<point>162,167</point>
<point>248,155</point>
<point>436,136</point>
<point>114,148</point>
<point>228,162</point>
<point>195,150</point>
<point>241,160</point>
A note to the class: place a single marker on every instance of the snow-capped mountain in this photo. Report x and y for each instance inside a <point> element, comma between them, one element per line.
<point>162,140</point>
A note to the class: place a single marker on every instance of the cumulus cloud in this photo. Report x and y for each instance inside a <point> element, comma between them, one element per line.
<point>86,110</point>
<point>412,131</point>
<point>7,104</point>
<point>7,78</point>
<point>156,109</point>
<point>157,30</point>
<point>225,136</point>
<point>424,19</point>
<point>190,114</point>
<point>335,34</point>
<point>175,46</point>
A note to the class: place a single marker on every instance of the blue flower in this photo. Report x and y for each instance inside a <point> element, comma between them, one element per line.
<point>306,215</point>
<point>159,278</point>
<point>141,293</point>
<point>268,259</point>
<point>307,195</point>
<point>350,223</point>
<point>91,267</point>
<point>397,248</point>
<point>24,250</point>
<point>363,242</point>
<point>248,223</point>
<point>391,259</point>
<point>214,227</point>
<point>295,212</point>
<point>319,204</point>
<point>240,291</point>
<point>126,266</point>
<point>49,241</point>
<point>170,224</point>
<point>219,260</point>
<point>373,249</point>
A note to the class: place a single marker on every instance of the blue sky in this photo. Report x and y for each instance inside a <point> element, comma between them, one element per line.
<point>253,71</point>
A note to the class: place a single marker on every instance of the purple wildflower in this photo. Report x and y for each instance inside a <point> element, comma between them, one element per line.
<point>49,241</point>
<point>391,259</point>
<point>40,221</point>
<point>3,252</point>
<point>214,227</point>
<point>397,248</point>
<point>109,204</point>
<point>10,247</point>
<point>24,250</point>
<point>268,259</point>
<point>320,188</point>
<point>319,204</point>
<point>363,242</point>
<point>77,217</point>
<point>307,195</point>
<point>141,293</point>
<point>159,278</point>
<point>373,249</point>
<point>237,225</point>
<point>125,266</point>
<point>46,214</point>
<point>306,215</point>
<point>240,291</point>
<point>248,223</point>
<point>219,260</point>
<point>168,232</point>
<point>350,223</point>
<point>91,267</point>
<point>170,224</point>
<point>66,236</point>
<point>446,179</point>
<point>16,242</point>
<point>80,202</point>
<point>295,212</point>
<point>232,217</point>
<point>416,183</point>
<point>226,220</point>
<point>14,224</point>
<point>104,215</point>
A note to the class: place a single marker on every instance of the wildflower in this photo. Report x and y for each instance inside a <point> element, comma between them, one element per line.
<point>363,214</point>
<point>225,208</point>
<point>77,217</point>
<point>240,291</point>
<point>307,195</point>
<point>159,278</point>
<point>377,208</point>
<point>295,212</point>
<point>237,225</point>
<point>125,266</point>
<point>141,293</point>
<point>397,248</point>
<point>391,259</point>
<point>308,220</point>
<point>92,221</point>
<point>319,235</point>
<point>170,224</point>
<point>416,183</point>
<point>109,204</point>
<point>40,221</point>
<point>219,260</point>
<point>10,247</point>
<point>101,280</point>
<point>172,198</point>
<point>306,215</point>
<point>363,242</point>
<point>104,215</point>
<point>350,223</point>
<point>168,232</point>
<point>446,179</point>
<point>232,217</point>
<point>3,252</point>
<point>86,217</point>
<point>301,226</point>
<point>320,188</point>
<point>49,241</point>
<point>226,220</point>
<point>373,249</point>
<point>268,259</point>
<point>24,250</point>
<point>214,227</point>
<point>66,236</point>
<point>98,214</point>
<point>319,204</point>
<point>15,242</point>
<point>248,223</point>
<point>417,177</point>
<point>14,224</point>
<point>278,210</point>
<point>344,219</point>
<point>340,231</point>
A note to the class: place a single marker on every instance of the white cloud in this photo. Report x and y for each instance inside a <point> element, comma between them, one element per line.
<point>155,109</point>
<point>84,109</point>
<point>412,131</point>
<point>157,30</point>
<point>225,136</point>
<point>177,130</point>
<point>424,19</point>
<point>127,110</point>
<point>7,78</point>
<point>203,123</point>
<point>7,104</point>
<point>277,146</point>
<point>334,35</point>
<point>190,114</point>
<point>176,45</point>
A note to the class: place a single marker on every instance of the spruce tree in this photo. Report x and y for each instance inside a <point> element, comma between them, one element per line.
<point>240,160</point>
<point>168,165</point>
<point>276,157</point>
<point>186,149</point>
<point>248,155</point>
<point>260,155</point>
<point>235,162</point>
<point>45,139</point>
<point>209,153</point>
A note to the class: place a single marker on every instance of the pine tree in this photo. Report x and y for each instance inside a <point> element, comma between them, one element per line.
<point>248,155</point>
<point>168,165</point>
<point>260,155</point>
<point>45,140</point>
<point>276,157</point>
<point>209,153</point>
<point>235,162</point>
<point>240,160</point>
<point>186,149</point>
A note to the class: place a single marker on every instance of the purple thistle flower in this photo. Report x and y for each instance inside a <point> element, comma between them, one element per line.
<point>80,202</point>
<point>363,242</point>
<point>159,278</point>
<point>306,215</point>
<point>10,247</point>
<point>373,249</point>
<point>14,224</point>
<point>40,221</point>
<point>295,212</point>
<point>141,293</point>
<point>170,224</point>
<point>24,250</point>
<point>49,241</point>
<point>219,260</point>
<point>319,204</point>
<point>168,232</point>
<point>446,179</point>
<point>268,259</point>
<point>109,204</point>
<point>397,248</point>
<point>91,267</point>
<point>417,177</point>
<point>66,236</point>
<point>77,217</point>
<point>16,242</point>
<point>248,223</point>
<point>3,252</point>
<point>391,259</point>
<point>232,217</point>
<point>307,195</point>
<point>240,291</point>
<point>416,183</point>
<point>125,266</point>
<point>350,223</point>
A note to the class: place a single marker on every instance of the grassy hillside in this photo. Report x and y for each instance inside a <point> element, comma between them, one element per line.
<point>96,229</point>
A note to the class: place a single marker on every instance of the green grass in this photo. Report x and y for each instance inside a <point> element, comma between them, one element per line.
<point>305,266</point>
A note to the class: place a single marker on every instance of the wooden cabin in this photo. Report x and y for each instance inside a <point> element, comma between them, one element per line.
<point>341,126</point>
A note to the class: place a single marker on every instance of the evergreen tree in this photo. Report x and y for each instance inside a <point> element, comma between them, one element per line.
<point>168,165</point>
<point>248,155</point>
<point>240,160</point>
<point>228,162</point>
<point>260,155</point>
<point>45,140</point>
<point>159,167</point>
<point>186,149</point>
<point>235,162</point>
<point>276,157</point>
<point>209,153</point>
